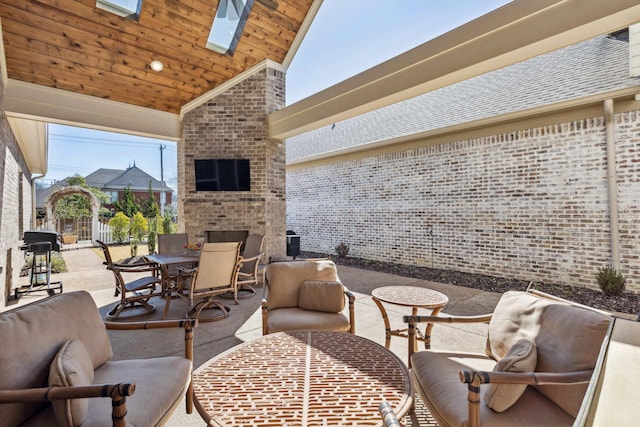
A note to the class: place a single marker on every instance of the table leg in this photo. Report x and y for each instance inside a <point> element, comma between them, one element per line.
<point>166,290</point>
<point>429,327</point>
<point>387,326</point>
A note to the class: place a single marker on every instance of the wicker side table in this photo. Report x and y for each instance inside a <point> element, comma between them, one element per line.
<point>409,296</point>
<point>302,378</point>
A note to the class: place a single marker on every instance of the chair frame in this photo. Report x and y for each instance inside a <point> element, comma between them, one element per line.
<point>187,280</point>
<point>132,294</point>
<point>246,280</point>
<point>474,379</point>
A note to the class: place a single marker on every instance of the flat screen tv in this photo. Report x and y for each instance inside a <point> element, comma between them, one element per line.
<point>223,175</point>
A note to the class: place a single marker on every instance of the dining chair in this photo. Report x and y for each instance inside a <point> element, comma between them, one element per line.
<point>248,274</point>
<point>173,244</point>
<point>136,293</point>
<point>216,274</point>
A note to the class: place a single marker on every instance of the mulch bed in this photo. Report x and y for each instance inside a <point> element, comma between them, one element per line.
<point>626,303</point>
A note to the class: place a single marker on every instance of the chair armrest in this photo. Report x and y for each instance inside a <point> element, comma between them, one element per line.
<point>447,319</point>
<point>48,394</point>
<point>135,268</point>
<point>117,392</point>
<point>253,258</point>
<point>352,311</point>
<point>413,321</point>
<point>388,416</point>
<point>182,269</point>
<point>474,379</point>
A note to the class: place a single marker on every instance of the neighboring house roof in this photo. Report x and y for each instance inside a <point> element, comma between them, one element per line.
<point>133,177</point>
<point>110,179</point>
<point>595,66</point>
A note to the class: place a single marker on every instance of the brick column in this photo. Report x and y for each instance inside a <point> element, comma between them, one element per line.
<point>234,126</point>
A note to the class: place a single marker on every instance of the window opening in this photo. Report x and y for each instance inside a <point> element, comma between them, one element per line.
<point>126,8</point>
<point>228,25</point>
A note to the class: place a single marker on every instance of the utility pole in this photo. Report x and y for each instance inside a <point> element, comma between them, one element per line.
<point>163,197</point>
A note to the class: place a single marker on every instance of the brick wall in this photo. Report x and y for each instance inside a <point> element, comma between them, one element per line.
<point>234,126</point>
<point>531,204</point>
<point>15,205</point>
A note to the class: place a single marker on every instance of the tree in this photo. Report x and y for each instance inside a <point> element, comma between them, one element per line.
<point>151,211</point>
<point>120,225</point>
<point>128,205</point>
<point>139,228</point>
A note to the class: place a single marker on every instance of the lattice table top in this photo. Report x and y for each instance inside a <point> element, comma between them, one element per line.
<point>410,296</point>
<point>303,378</point>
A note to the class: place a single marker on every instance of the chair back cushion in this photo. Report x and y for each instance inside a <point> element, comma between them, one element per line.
<point>218,266</point>
<point>285,278</point>
<point>317,295</point>
<point>568,338</point>
<point>172,244</point>
<point>33,334</point>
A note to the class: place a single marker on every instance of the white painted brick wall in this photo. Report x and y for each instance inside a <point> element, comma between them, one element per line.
<point>530,205</point>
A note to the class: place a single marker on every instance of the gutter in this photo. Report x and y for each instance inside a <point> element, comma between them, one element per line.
<point>610,128</point>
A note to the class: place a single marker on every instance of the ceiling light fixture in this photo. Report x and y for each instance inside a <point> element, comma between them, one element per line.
<point>156,65</point>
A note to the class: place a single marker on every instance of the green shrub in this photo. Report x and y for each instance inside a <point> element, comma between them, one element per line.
<point>139,228</point>
<point>342,250</point>
<point>120,224</point>
<point>610,281</point>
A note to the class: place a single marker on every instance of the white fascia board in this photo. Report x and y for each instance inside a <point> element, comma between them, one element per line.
<point>41,103</point>
<point>32,139</point>
<point>515,32</point>
<point>302,32</point>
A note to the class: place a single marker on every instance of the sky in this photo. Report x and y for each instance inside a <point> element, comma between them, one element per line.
<point>345,38</point>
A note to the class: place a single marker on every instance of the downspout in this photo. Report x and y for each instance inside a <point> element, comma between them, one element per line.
<point>34,221</point>
<point>610,129</point>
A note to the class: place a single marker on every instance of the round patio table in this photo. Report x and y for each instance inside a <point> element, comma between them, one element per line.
<point>302,378</point>
<point>409,296</point>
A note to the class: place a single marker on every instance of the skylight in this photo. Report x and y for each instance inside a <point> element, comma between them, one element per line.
<point>228,25</point>
<point>125,8</point>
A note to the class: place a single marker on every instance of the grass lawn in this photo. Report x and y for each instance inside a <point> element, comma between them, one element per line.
<point>122,252</point>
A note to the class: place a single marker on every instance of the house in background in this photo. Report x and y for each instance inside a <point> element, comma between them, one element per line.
<point>113,182</point>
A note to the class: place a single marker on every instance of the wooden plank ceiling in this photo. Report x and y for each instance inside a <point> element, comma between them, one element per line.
<point>72,45</point>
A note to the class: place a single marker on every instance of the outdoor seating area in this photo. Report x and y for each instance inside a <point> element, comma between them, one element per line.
<point>525,332</point>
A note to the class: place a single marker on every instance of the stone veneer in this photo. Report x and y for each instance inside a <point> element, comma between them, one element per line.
<point>530,204</point>
<point>234,126</point>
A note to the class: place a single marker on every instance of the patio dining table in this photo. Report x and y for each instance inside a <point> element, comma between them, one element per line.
<point>165,261</point>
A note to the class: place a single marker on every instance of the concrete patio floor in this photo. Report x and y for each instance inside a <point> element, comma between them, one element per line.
<point>86,272</point>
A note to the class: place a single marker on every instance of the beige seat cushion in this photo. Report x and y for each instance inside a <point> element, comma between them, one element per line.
<point>71,367</point>
<point>292,319</point>
<point>160,386</point>
<point>522,357</point>
<point>437,381</point>
<point>317,295</point>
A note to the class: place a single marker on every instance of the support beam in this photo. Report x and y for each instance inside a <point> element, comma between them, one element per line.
<point>515,32</point>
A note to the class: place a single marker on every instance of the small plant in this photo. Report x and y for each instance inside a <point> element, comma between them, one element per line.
<point>610,281</point>
<point>193,246</point>
<point>120,224</point>
<point>342,250</point>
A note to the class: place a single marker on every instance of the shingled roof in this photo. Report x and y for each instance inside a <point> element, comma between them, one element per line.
<point>115,179</point>
<point>594,66</point>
